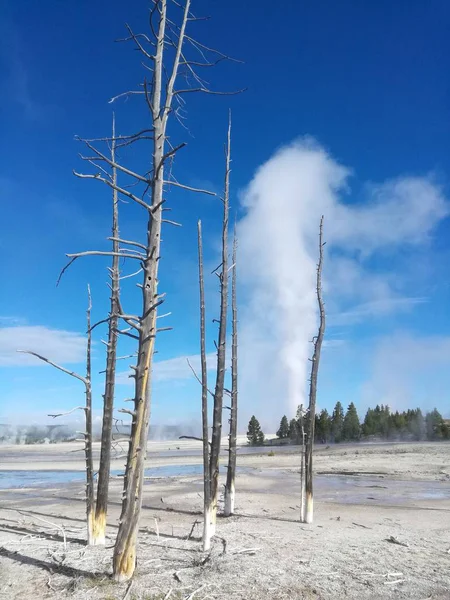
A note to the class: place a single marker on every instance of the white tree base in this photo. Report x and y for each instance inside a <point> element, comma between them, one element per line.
<point>229,501</point>
<point>309,512</point>
<point>207,531</point>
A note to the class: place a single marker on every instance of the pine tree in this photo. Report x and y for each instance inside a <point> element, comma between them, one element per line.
<point>416,424</point>
<point>337,422</point>
<point>369,427</point>
<point>283,431</point>
<point>351,430</point>
<point>323,427</point>
<point>293,430</point>
<point>255,436</point>
<point>436,427</point>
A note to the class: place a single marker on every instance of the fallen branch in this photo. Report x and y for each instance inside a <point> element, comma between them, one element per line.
<point>393,540</point>
<point>359,525</point>
<point>128,592</point>
<point>194,525</point>
<point>191,595</point>
<point>54,525</point>
<point>247,551</point>
<point>394,582</point>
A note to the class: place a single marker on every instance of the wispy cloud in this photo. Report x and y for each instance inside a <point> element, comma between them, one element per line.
<point>173,369</point>
<point>56,344</point>
<point>17,84</point>
<point>375,310</point>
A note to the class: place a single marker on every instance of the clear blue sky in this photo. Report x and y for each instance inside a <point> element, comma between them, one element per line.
<point>368,80</point>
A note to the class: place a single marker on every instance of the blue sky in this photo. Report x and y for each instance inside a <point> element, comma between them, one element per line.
<point>368,81</point>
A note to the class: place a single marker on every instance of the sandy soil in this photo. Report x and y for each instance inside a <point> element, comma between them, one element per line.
<point>366,496</point>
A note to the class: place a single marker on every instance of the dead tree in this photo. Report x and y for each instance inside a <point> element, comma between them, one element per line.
<point>204,382</point>
<point>221,344</point>
<point>301,427</point>
<point>87,434</point>
<point>99,518</point>
<point>164,51</point>
<point>101,507</point>
<point>231,470</point>
<point>313,385</point>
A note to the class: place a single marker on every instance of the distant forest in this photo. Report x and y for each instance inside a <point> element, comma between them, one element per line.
<point>379,423</point>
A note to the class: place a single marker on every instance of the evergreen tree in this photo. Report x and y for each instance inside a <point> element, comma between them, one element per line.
<point>337,422</point>
<point>293,430</point>
<point>283,431</point>
<point>323,427</point>
<point>369,426</point>
<point>351,430</point>
<point>416,424</point>
<point>436,427</point>
<point>255,436</point>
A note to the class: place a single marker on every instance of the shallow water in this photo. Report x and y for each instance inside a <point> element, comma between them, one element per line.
<point>48,478</point>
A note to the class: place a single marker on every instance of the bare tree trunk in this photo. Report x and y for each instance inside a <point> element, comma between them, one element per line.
<point>221,345</point>
<point>302,467</point>
<point>86,380</point>
<point>161,98</point>
<point>204,382</point>
<point>101,507</point>
<point>124,559</point>
<point>313,386</point>
<point>231,471</point>
<point>88,435</point>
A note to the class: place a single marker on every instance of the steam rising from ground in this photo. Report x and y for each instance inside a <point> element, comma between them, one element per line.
<point>278,250</point>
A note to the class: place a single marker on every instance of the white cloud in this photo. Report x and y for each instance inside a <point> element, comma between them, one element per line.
<point>57,345</point>
<point>400,211</point>
<point>173,369</point>
<point>375,309</point>
<point>278,247</point>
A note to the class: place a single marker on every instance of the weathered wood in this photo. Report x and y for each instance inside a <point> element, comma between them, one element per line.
<point>86,380</point>
<point>101,508</point>
<point>204,382</point>
<point>88,436</point>
<point>230,486</point>
<point>221,344</point>
<point>124,558</point>
<point>313,387</point>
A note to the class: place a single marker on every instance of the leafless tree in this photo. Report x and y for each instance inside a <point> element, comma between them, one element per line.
<point>204,382</point>
<point>313,385</point>
<point>165,58</point>
<point>101,507</point>
<point>301,432</point>
<point>87,434</point>
<point>221,344</point>
<point>231,470</point>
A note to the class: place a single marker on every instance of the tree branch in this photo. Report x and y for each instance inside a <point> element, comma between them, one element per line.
<point>49,362</point>
<point>121,190</point>
<point>189,188</point>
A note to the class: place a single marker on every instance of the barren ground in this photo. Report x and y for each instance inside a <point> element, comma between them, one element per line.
<point>366,498</point>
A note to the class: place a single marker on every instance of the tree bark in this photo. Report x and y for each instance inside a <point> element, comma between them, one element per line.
<point>101,508</point>
<point>221,345</point>
<point>86,380</point>
<point>313,387</point>
<point>204,382</point>
<point>230,487</point>
<point>88,435</point>
<point>302,467</point>
<point>124,559</point>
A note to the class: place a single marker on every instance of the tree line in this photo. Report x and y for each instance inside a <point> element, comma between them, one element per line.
<point>379,423</point>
